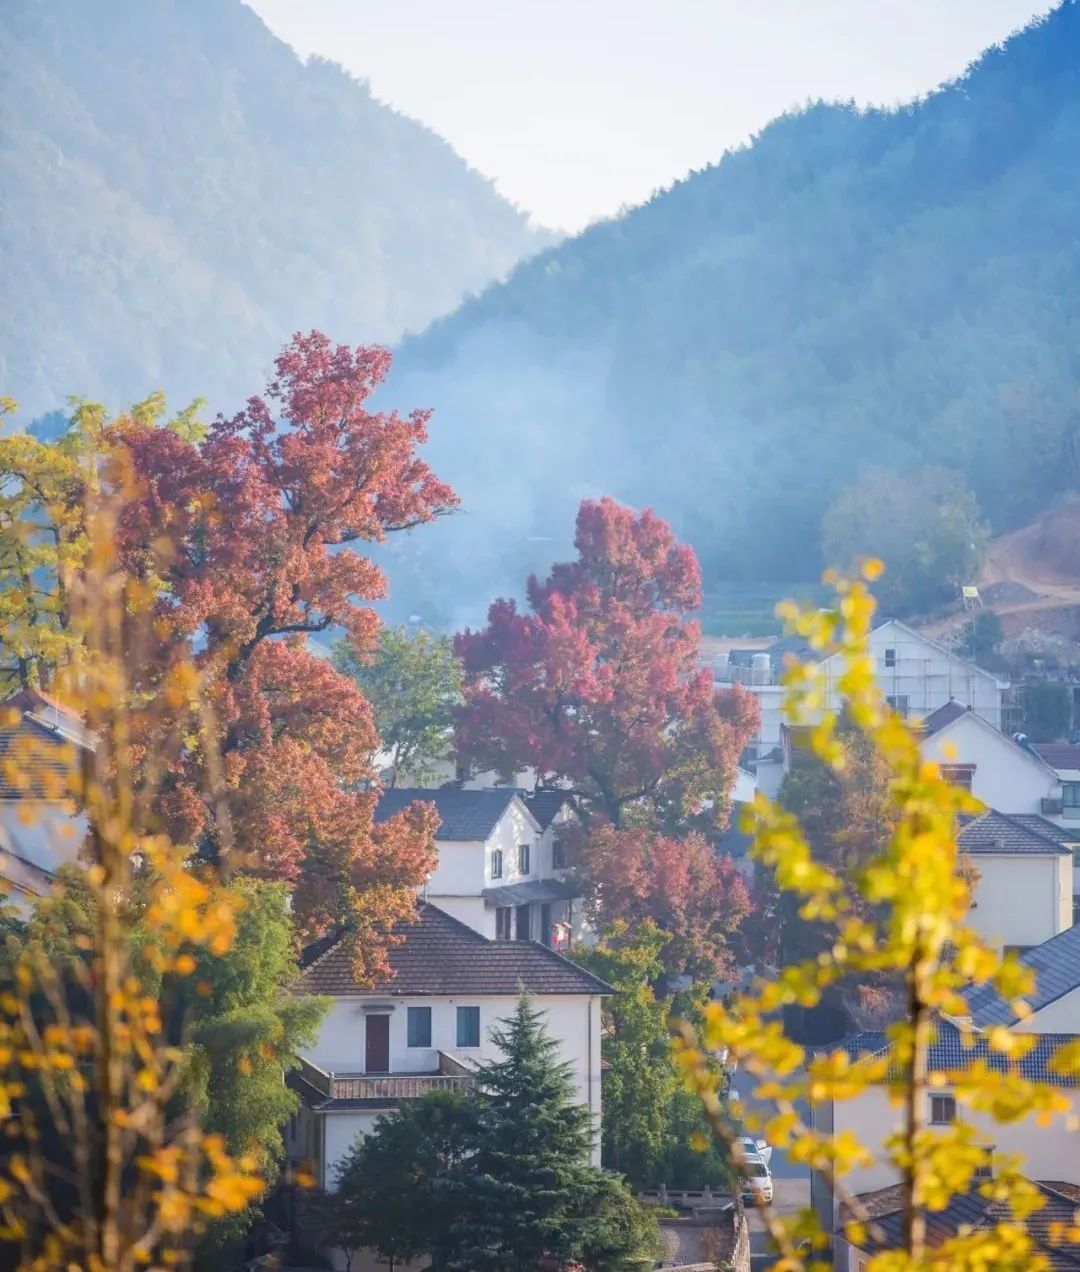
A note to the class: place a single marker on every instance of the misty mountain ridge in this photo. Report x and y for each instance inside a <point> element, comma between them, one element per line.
<point>854,287</point>
<point>179,193</point>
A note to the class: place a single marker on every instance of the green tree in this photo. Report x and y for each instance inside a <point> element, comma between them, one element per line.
<point>1045,707</point>
<point>245,1027</point>
<point>640,1082</point>
<point>397,1187</point>
<point>927,526</point>
<point>413,682</point>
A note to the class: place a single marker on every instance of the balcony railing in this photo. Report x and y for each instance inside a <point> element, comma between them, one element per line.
<point>453,1075</point>
<point>726,673</point>
<point>1052,807</point>
<point>394,1086</point>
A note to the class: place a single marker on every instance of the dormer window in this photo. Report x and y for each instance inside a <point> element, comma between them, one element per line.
<point>523,858</point>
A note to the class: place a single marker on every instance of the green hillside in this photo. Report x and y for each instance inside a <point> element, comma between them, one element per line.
<point>854,288</point>
<point>179,193</point>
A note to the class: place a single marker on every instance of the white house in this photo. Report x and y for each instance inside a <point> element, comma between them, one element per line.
<point>40,829</point>
<point>1050,1153</point>
<point>1063,758</point>
<point>1024,893</point>
<point>916,674</point>
<point>498,868</point>
<point>427,1026</point>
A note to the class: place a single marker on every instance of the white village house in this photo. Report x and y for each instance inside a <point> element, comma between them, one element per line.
<point>1051,1153</point>
<point>499,866</point>
<point>40,829</point>
<point>1024,892</point>
<point>916,674</point>
<point>427,1026</point>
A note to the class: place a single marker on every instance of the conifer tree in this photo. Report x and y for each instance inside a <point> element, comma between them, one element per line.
<point>531,1191</point>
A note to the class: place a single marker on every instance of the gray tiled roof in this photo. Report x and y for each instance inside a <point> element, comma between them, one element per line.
<point>463,815</point>
<point>1059,755</point>
<point>545,805</point>
<point>937,720</point>
<point>1002,832</point>
<point>1056,964</point>
<point>972,1211</point>
<point>949,1052</point>
<point>438,955</point>
<point>1062,834</point>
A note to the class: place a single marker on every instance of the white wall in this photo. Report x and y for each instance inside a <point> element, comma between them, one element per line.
<point>929,676</point>
<point>1021,898</point>
<point>463,869</point>
<point>1049,1152</point>
<point>1006,777</point>
<point>1061,1016</point>
<point>573,1020</point>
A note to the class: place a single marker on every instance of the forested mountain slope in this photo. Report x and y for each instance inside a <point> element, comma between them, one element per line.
<point>179,193</point>
<point>854,288</point>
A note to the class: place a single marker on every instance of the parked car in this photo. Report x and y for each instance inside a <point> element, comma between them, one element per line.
<point>756,1186</point>
<point>756,1147</point>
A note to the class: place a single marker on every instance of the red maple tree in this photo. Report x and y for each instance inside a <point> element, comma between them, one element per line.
<point>690,892</point>
<point>598,688</point>
<point>248,536</point>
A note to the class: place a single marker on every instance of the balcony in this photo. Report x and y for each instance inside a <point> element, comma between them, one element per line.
<point>452,1076</point>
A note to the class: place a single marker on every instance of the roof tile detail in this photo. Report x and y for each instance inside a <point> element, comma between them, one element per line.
<point>438,955</point>
<point>463,815</point>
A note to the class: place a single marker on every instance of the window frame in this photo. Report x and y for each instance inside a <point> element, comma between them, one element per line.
<point>504,919</point>
<point>459,1017</point>
<point>951,772</point>
<point>524,860</point>
<point>496,863</point>
<point>890,657</point>
<point>1066,789</point>
<point>950,1104</point>
<point>416,1014</point>
<point>895,699</point>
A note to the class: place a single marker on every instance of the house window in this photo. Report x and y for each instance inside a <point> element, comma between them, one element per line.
<point>558,852</point>
<point>890,658</point>
<point>524,930</point>
<point>959,774</point>
<point>504,919</point>
<point>523,858</point>
<point>942,1110</point>
<point>985,1170</point>
<point>496,863</point>
<point>899,703</point>
<point>1076,855</point>
<point>468,1026</point>
<point>1070,800</point>
<point>418,1020</point>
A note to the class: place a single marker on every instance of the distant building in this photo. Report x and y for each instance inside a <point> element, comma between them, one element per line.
<point>427,1026</point>
<point>41,741</point>
<point>499,867</point>
<point>1050,1152</point>
<point>916,674</point>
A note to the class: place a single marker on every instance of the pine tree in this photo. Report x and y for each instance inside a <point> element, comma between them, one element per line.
<point>531,1191</point>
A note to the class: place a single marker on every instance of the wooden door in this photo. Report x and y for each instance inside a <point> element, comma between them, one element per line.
<point>377,1045</point>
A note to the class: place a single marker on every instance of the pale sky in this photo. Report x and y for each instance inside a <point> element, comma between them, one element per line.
<point>578,107</point>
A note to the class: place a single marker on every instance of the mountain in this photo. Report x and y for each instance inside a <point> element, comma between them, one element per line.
<point>855,287</point>
<point>179,194</point>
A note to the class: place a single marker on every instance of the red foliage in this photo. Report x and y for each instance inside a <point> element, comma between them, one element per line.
<point>599,687</point>
<point>681,884</point>
<point>249,533</point>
